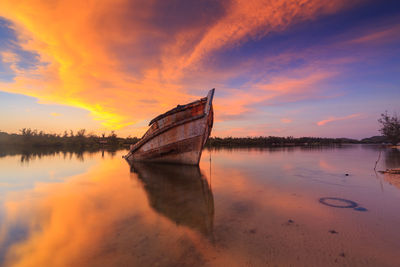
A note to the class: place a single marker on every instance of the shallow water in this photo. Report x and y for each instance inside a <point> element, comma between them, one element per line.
<point>245,207</point>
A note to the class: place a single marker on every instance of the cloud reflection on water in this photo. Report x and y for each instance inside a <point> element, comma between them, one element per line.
<point>110,216</point>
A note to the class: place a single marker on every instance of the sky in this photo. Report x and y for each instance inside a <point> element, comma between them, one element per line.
<point>280,68</point>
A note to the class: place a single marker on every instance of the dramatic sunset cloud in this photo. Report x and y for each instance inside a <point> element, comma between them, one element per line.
<point>125,62</point>
<point>332,119</point>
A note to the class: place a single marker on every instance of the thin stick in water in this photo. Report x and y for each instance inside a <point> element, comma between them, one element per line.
<point>379,157</point>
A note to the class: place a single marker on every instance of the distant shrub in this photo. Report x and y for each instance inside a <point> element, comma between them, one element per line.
<point>390,127</point>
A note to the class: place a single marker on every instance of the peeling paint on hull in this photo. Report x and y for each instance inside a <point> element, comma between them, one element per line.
<point>177,136</point>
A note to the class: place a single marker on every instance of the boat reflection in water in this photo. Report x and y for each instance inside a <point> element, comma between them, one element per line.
<point>179,192</point>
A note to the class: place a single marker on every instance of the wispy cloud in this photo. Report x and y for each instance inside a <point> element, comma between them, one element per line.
<point>332,119</point>
<point>376,36</point>
<point>290,86</point>
<point>286,120</point>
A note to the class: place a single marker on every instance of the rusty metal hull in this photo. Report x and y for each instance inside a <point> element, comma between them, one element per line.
<point>178,136</point>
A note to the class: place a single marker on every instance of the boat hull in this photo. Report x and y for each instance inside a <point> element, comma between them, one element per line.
<point>181,143</point>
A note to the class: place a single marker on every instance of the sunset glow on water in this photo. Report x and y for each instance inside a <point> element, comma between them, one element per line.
<point>247,207</point>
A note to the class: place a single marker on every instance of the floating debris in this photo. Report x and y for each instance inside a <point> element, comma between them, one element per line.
<point>333,232</point>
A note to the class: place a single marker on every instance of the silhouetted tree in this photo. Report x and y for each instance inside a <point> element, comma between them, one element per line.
<point>81,133</point>
<point>390,127</point>
<point>112,138</point>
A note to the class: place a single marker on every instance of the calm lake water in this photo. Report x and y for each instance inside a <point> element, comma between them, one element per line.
<point>245,207</point>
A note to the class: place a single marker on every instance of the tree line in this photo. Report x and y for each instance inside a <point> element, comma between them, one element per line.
<point>82,139</point>
<point>35,138</point>
<point>390,129</point>
<point>266,141</point>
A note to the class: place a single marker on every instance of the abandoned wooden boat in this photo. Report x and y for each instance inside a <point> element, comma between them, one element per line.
<point>177,136</point>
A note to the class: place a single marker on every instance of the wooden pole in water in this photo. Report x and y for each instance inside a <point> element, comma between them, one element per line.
<point>379,157</point>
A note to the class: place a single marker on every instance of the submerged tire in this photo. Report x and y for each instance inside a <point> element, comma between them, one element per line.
<point>348,203</point>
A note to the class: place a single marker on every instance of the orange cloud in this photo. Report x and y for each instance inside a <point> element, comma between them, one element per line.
<point>286,120</point>
<point>255,19</point>
<point>332,118</point>
<point>290,87</point>
<point>124,61</point>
